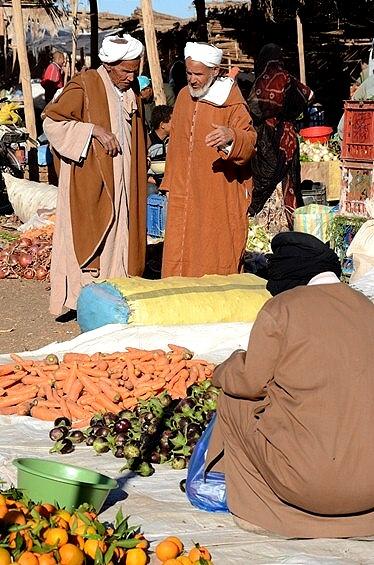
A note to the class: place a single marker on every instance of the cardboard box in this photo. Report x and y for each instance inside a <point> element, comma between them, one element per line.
<point>327,172</point>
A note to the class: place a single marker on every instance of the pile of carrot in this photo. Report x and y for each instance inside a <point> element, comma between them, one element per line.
<point>81,385</point>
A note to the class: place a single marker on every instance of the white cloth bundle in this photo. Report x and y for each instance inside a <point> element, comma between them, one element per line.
<point>209,55</point>
<point>115,48</point>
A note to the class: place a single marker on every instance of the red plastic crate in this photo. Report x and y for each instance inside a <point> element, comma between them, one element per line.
<point>357,186</point>
<point>358,135</point>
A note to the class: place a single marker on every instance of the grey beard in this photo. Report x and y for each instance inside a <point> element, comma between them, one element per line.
<point>201,92</point>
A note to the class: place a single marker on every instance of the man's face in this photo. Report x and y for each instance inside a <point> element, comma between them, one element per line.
<point>60,59</point>
<point>123,73</point>
<point>146,93</point>
<point>199,77</point>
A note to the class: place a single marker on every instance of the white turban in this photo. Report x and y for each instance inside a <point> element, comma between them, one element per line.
<point>209,55</point>
<point>115,48</point>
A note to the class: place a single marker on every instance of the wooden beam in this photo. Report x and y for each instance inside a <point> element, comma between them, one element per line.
<point>94,19</point>
<point>26,84</point>
<point>74,36</point>
<point>152,51</point>
<point>300,47</point>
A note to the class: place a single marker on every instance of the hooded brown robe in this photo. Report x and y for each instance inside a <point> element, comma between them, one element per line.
<point>294,434</point>
<point>101,210</point>
<point>209,190</point>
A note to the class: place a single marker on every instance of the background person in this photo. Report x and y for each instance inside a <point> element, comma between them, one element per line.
<point>295,419</point>
<point>207,173</point>
<point>53,76</point>
<point>276,100</point>
<point>147,94</point>
<point>96,128</point>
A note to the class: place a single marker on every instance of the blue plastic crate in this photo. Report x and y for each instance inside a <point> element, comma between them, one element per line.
<point>156,215</point>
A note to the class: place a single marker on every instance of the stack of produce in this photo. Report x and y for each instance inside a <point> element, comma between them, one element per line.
<point>41,534</point>
<point>258,239</point>
<point>170,551</point>
<point>29,257</point>
<point>317,152</point>
<point>81,385</point>
<point>157,431</point>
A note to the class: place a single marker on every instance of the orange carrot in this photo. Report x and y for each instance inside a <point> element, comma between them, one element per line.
<point>91,372</point>
<point>7,369</point>
<point>129,403</point>
<point>64,408</point>
<point>20,361</point>
<point>81,423</point>
<point>19,397</point>
<point>75,391</point>
<point>88,384</point>
<point>6,382</point>
<point>43,413</point>
<point>31,380</point>
<point>109,392</point>
<point>75,410</point>
<point>107,404</point>
<point>76,358</point>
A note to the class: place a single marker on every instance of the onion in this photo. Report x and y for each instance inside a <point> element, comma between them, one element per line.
<point>41,273</point>
<point>24,242</point>
<point>28,274</point>
<point>24,259</point>
<point>13,260</point>
<point>33,249</point>
<point>4,272</point>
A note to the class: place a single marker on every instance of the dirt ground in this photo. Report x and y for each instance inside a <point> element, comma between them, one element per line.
<point>25,323</point>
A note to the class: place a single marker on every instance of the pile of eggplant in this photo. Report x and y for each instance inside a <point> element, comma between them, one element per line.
<point>158,430</point>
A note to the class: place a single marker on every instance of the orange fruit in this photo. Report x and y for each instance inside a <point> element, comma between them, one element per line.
<point>5,558</point>
<point>56,537</point>
<point>3,510</point>
<point>197,552</point>
<point>64,514</point>
<point>143,544</point>
<point>71,555</point>
<point>184,560</point>
<point>2,500</point>
<point>28,539</point>
<point>136,556</point>
<point>171,562</point>
<point>177,542</point>
<point>46,559</point>
<point>28,558</point>
<point>49,507</point>
<point>167,550</point>
<point>91,546</point>
<point>60,522</point>
<point>14,517</point>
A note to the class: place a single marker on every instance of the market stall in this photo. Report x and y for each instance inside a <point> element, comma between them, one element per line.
<point>157,502</point>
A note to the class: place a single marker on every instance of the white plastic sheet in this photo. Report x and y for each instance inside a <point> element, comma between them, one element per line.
<point>157,502</point>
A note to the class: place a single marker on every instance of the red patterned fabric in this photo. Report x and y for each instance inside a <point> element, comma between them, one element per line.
<point>53,73</point>
<point>276,100</point>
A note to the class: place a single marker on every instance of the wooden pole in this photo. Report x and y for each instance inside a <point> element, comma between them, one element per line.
<point>26,83</point>
<point>152,52</point>
<point>2,36</point>
<point>300,47</point>
<point>74,36</point>
<point>94,19</point>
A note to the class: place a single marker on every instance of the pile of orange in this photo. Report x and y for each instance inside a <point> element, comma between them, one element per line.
<point>170,551</point>
<point>45,535</point>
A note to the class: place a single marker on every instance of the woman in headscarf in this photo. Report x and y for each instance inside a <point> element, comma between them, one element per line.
<point>276,100</point>
<point>295,416</point>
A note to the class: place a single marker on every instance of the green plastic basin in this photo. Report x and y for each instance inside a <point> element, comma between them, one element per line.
<point>65,485</point>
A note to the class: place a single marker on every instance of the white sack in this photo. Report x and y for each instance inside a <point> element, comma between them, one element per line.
<point>27,197</point>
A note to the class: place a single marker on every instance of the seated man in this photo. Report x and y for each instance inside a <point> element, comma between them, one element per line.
<point>295,415</point>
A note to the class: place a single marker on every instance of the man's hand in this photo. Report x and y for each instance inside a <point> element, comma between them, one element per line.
<point>107,139</point>
<point>220,136</point>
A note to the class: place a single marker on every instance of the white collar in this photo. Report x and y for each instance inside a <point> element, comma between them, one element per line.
<point>219,92</point>
<point>328,277</point>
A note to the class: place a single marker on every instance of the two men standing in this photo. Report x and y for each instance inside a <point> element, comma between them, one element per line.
<point>96,127</point>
